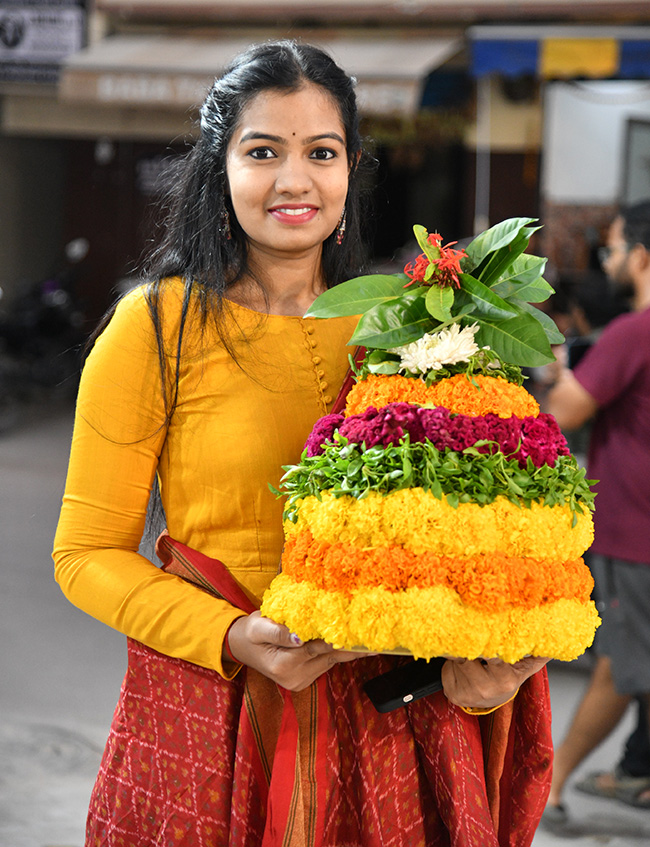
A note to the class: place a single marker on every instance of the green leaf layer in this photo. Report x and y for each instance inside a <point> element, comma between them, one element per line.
<point>461,477</point>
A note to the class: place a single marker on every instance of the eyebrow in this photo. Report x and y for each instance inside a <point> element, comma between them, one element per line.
<point>265,136</point>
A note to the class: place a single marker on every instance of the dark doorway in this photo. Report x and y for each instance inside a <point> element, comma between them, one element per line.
<point>416,184</point>
<point>111,186</point>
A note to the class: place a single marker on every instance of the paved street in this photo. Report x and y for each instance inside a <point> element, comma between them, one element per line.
<point>60,672</point>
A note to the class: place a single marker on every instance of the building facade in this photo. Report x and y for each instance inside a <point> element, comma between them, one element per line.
<point>460,103</point>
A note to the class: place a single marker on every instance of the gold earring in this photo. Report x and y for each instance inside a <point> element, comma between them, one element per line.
<point>224,224</point>
<point>340,227</point>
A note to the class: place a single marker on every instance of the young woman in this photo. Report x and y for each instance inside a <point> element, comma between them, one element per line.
<point>229,730</point>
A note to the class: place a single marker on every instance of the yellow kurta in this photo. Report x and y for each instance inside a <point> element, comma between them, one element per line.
<point>234,426</point>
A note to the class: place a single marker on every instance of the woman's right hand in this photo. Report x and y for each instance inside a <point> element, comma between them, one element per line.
<point>271,649</point>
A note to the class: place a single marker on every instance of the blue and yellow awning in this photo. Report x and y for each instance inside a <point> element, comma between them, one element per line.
<point>596,52</point>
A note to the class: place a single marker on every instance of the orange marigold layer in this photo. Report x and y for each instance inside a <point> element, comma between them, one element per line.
<point>460,394</point>
<point>492,582</point>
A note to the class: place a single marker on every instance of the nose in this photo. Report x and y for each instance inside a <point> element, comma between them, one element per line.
<point>293,176</point>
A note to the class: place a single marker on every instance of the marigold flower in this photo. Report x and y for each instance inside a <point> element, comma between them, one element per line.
<point>382,620</point>
<point>418,521</point>
<point>478,395</point>
<point>490,581</point>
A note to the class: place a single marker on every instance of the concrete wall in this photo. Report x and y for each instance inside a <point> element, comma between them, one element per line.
<point>584,162</point>
<point>584,141</point>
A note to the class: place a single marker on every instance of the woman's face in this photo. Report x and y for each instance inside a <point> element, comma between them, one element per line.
<point>287,170</point>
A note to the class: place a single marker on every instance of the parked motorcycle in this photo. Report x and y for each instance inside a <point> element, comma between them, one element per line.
<point>41,336</point>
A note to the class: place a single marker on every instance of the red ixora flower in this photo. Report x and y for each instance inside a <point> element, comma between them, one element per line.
<point>446,266</point>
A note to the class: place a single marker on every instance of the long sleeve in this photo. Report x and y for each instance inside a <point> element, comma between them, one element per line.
<point>118,436</point>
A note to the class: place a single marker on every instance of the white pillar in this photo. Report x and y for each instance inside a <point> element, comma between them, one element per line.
<point>482,196</point>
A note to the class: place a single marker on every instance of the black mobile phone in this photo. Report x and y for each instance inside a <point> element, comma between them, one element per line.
<point>405,684</point>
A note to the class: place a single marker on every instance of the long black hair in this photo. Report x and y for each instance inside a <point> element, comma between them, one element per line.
<point>193,244</point>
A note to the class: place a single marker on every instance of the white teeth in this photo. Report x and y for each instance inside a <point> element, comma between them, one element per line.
<point>294,211</point>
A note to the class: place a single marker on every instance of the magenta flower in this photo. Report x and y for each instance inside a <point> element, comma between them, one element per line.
<point>539,439</point>
<point>384,426</point>
<point>323,431</point>
<point>542,440</point>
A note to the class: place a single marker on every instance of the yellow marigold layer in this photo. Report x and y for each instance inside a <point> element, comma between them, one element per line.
<point>430,622</point>
<point>461,395</point>
<point>417,521</point>
<point>491,582</point>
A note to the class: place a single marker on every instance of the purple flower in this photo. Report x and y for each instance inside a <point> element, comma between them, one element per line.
<point>323,431</point>
<point>542,440</point>
<point>507,431</point>
<point>436,424</point>
<point>384,426</point>
<point>463,432</point>
<point>539,439</point>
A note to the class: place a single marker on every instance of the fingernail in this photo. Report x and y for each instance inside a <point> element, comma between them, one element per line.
<point>297,641</point>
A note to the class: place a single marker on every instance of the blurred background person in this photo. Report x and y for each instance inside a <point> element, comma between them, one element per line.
<point>611,385</point>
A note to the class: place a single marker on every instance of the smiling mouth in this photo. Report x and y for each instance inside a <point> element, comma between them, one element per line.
<point>293,215</point>
<point>294,212</point>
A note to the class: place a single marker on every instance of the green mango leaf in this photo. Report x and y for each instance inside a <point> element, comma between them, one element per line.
<point>520,340</point>
<point>533,292</point>
<point>494,239</point>
<point>429,250</point>
<point>421,236</point>
<point>486,302</point>
<point>526,269</point>
<point>376,356</point>
<point>356,296</point>
<point>381,362</point>
<point>387,367</point>
<point>394,324</point>
<point>463,304</point>
<point>439,301</point>
<point>548,324</point>
<point>524,280</point>
<point>498,263</point>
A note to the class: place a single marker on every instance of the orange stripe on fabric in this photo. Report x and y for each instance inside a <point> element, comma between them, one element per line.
<point>479,395</point>
<point>492,582</point>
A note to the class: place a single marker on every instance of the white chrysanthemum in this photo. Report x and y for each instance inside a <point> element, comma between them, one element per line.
<point>436,349</point>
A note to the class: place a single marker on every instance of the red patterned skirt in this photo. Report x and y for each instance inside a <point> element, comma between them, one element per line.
<point>199,761</point>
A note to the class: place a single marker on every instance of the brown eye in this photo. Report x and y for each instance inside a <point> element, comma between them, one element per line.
<point>323,154</point>
<point>261,153</point>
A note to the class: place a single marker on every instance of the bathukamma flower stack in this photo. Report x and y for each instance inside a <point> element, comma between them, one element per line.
<point>441,513</point>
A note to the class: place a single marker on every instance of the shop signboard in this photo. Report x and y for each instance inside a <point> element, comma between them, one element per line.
<point>36,36</point>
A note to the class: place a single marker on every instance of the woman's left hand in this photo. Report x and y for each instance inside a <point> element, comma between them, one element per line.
<point>486,684</point>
